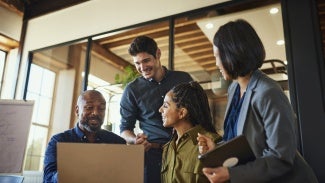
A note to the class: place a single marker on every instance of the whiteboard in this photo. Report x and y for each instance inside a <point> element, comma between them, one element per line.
<point>15,121</point>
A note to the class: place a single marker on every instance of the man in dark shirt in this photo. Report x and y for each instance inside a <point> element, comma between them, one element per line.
<point>90,110</point>
<point>141,101</point>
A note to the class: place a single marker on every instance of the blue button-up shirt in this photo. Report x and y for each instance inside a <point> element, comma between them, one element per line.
<point>72,135</point>
<point>141,101</point>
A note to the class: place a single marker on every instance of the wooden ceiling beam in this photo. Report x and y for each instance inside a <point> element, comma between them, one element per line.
<point>109,57</point>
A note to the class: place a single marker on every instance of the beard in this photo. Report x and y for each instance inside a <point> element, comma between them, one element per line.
<point>91,127</point>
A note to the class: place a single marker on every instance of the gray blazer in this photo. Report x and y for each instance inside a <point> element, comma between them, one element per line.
<point>268,122</point>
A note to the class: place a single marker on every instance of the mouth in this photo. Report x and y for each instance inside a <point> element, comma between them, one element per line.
<point>163,119</point>
<point>146,72</point>
<point>94,122</point>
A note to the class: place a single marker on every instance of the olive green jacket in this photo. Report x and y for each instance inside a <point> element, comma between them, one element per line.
<point>180,164</point>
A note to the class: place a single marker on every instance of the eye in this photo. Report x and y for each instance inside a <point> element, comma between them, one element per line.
<point>165,105</point>
<point>102,108</point>
<point>88,108</point>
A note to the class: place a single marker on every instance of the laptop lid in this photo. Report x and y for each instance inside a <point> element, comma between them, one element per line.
<point>89,163</point>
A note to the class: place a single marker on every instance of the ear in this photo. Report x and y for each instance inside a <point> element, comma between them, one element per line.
<point>158,53</point>
<point>77,110</point>
<point>183,113</point>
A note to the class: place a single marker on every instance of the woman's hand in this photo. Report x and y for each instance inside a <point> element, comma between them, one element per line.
<point>216,175</point>
<point>205,143</point>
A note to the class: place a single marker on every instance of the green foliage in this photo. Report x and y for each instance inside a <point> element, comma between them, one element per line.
<point>130,73</point>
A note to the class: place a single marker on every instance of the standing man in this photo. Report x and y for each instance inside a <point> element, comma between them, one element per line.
<point>90,110</point>
<point>141,101</point>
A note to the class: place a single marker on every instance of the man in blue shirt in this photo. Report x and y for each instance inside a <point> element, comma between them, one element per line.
<point>90,110</point>
<point>141,101</point>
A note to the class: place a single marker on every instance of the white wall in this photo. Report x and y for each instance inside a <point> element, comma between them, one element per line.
<point>97,16</point>
<point>10,24</point>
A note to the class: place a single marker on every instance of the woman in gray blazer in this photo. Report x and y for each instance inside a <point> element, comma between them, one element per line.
<point>257,108</point>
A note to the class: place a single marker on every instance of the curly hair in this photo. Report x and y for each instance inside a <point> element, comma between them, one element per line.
<point>192,97</point>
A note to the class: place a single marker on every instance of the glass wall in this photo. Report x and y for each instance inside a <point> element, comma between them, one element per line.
<point>55,78</point>
<point>193,48</point>
<point>111,65</point>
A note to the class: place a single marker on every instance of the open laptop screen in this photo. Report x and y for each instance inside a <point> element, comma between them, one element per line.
<point>89,163</point>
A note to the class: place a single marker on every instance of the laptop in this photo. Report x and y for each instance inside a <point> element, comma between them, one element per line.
<point>89,163</point>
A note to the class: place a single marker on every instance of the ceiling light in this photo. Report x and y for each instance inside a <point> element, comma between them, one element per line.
<point>280,42</point>
<point>285,62</point>
<point>274,10</point>
<point>209,26</point>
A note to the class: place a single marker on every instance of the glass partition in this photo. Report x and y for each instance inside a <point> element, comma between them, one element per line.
<point>193,48</point>
<point>54,80</point>
<point>111,64</point>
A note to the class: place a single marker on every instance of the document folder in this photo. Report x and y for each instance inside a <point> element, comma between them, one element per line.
<point>231,153</point>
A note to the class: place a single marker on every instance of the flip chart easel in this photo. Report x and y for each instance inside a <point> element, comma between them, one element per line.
<point>15,121</point>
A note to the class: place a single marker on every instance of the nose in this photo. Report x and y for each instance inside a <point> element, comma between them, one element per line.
<point>142,66</point>
<point>95,112</point>
<point>217,63</point>
<point>160,109</point>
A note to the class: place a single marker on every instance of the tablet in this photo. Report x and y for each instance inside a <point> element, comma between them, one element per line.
<point>228,154</point>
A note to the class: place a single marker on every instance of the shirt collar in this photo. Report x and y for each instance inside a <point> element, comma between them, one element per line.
<point>166,73</point>
<point>79,133</point>
<point>192,133</point>
<point>82,135</point>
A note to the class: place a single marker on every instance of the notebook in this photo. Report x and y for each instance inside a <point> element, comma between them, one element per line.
<point>89,163</point>
<point>231,153</point>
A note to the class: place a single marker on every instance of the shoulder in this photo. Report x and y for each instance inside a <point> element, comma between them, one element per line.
<point>63,136</point>
<point>134,85</point>
<point>179,73</point>
<point>261,81</point>
<point>178,76</point>
<point>110,137</point>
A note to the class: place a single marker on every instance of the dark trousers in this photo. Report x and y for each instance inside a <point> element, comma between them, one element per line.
<point>152,166</point>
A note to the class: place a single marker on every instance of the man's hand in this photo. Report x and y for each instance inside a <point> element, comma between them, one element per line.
<point>141,138</point>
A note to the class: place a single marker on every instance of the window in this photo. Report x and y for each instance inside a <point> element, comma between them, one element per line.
<point>2,67</point>
<point>40,89</point>
<point>55,74</point>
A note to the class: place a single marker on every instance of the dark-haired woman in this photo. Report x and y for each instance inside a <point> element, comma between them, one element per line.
<point>186,109</point>
<point>257,108</point>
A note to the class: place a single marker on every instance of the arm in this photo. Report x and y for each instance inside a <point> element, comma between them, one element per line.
<point>140,138</point>
<point>128,114</point>
<point>270,128</point>
<point>215,175</point>
<point>129,136</point>
<point>50,163</point>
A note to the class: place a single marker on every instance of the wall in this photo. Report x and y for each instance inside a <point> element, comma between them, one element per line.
<point>10,24</point>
